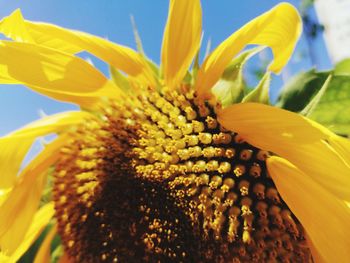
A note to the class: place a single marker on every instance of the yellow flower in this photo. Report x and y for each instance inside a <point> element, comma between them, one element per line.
<point>153,168</point>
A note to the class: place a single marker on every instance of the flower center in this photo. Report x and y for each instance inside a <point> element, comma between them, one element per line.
<point>158,179</point>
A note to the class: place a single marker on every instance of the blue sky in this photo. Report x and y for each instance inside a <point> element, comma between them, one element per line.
<point>111,19</point>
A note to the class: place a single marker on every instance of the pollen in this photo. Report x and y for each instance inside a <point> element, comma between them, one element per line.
<point>157,178</point>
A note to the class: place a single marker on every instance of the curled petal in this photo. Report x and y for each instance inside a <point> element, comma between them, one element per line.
<point>278,28</point>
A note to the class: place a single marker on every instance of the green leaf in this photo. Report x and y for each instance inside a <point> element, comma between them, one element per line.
<point>188,79</point>
<point>299,91</point>
<point>343,67</point>
<point>119,79</point>
<point>327,102</point>
<point>136,36</point>
<point>230,88</point>
<point>261,92</point>
<point>196,65</point>
<point>333,109</point>
<point>307,111</point>
<point>56,249</point>
<point>139,48</point>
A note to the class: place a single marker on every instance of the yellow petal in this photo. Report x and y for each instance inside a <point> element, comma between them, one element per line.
<point>4,193</point>
<point>14,27</point>
<point>325,218</point>
<point>4,258</point>
<point>278,28</point>
<point>43,255</point>
<point>72,41</point>
<point>316,256</point>
<point>18,209</point>
<point>181,39</point>
<point>301,141</point>
<point>11,156</point>
<point>15,145</point>
<point>40,220</point>
<point>53,73</point>
<point>342,146</point>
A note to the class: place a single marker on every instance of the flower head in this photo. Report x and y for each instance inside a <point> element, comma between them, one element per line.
<point>164,168</point>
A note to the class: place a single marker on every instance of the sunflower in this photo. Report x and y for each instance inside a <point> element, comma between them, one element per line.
<point>161,165</point>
